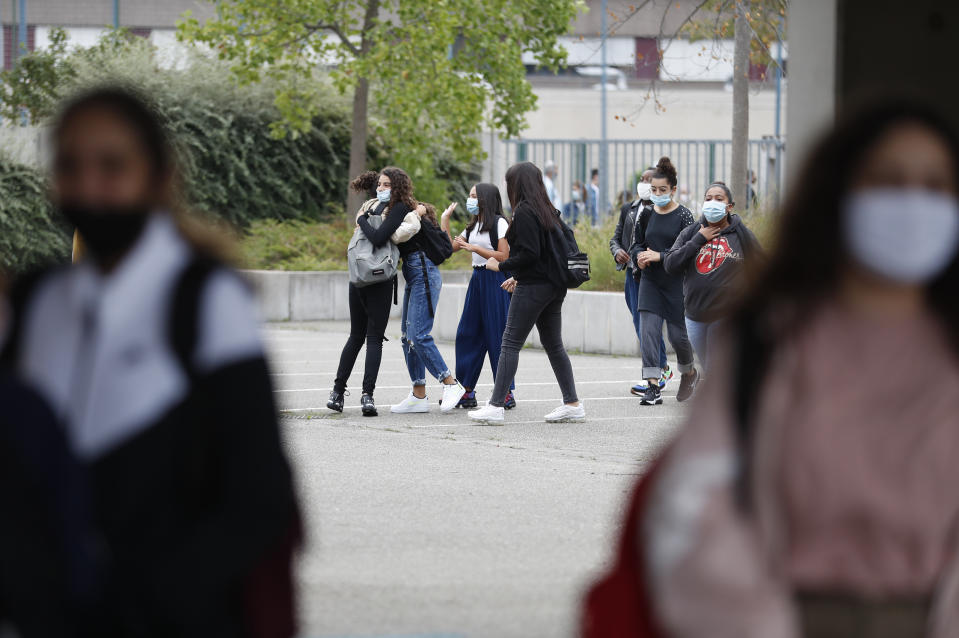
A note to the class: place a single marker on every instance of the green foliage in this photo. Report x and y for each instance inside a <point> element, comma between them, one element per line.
<point>298,245</point>
<point>31,234</point>
<point>439,68</point>
<point>595,243</point>
<point>31,86</point>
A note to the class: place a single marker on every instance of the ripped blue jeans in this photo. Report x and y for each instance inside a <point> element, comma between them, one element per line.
<point>419,349</point>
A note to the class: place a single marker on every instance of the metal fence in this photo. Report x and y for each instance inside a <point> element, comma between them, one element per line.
<point>698,162</point>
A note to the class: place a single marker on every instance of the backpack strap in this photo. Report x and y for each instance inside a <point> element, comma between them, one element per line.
<point>184,320</point>
<point>426,281</point>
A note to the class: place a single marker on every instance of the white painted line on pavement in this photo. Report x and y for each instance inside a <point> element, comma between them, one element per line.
<point>521,401</point>
<point>493,427</point>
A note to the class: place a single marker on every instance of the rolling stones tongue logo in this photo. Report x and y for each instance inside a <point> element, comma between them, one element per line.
<point>712,255</point>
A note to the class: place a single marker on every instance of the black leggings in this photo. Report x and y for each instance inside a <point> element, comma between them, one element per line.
<point>369,314</point>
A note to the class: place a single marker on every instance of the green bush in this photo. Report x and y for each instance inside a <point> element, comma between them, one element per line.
<point>31,234</point>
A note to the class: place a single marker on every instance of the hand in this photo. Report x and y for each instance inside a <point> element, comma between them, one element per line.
<point>420,210</point>
<point>621,257</point>
<point>459,242</point>
<point>492,264</point>
<point>509,285</point>
<point>709,232</point>
<point>647,257</point>
<point>449,210</point>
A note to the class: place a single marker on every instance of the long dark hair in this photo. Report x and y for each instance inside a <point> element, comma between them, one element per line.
<point>524,187</point>
<point>401,186</point>
<point>490,209</point>
<point>791,280</point>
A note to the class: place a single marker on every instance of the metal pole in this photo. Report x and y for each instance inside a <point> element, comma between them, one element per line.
<point>603,190</point>
<point>22,30</point>
<point>779,98</point>
<point>116,14</point>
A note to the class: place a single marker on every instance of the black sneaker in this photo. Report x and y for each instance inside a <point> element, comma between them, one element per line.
<point>468,400</point>
<point>336,401</point>
<point>687,385</point>
<point>367,405</point>
<point>510,402</point>
<point>653,396</point>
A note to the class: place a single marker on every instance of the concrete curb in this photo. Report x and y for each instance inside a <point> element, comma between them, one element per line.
<point>593,322</point>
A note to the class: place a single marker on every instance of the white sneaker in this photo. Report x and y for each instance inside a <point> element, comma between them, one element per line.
<point>411,405</point>
<point>488,415</point>
<point>567,414</point>
<point>452,394</point>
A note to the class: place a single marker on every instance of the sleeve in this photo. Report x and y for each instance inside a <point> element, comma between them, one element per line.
<point>686,247</point>
<point>639,236</point>
<point>501,228</point>
<point>705,565</point>
<point>256,510</point>
<point>381,235</point>
<point>524,251</point>
<point>408,228</point>
<point>616,243</point>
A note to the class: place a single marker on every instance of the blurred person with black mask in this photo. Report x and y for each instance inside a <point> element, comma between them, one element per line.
<point>795,505</point>
<point>148,353</point>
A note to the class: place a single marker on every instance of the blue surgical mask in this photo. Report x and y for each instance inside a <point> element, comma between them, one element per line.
<point>661,200</point>
<point>714,210</point>
<point>472,205</point>
<point>383,196</point>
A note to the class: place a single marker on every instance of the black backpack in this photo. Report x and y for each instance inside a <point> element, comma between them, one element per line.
<point>434,242</point>
<point>571,263</point>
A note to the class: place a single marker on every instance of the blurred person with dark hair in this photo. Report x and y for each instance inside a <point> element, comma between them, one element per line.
<point>481,325</point>
<point>660,296</point>
<point>537,298</point>
<point>712,256</point>
<point>148,353</point>
<point>792,505</point>
<point>630,216</point>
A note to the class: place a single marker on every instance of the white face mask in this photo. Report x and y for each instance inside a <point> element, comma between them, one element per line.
<point>905,235</point>
<point>643,190</point>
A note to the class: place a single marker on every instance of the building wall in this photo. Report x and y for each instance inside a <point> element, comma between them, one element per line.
<point>99,13</point>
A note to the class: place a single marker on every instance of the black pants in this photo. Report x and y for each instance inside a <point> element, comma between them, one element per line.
<point>539,305</point>
<point>369,314</point>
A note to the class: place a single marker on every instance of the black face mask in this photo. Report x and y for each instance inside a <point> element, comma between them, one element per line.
<point>110,231</point>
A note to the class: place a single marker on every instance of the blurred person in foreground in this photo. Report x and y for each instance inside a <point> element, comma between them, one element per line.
<point>148,353</point>
<point>812,492</point>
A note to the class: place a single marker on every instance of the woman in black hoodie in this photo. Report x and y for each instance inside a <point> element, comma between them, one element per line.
<point>537,298</point>
<point>711,255</point>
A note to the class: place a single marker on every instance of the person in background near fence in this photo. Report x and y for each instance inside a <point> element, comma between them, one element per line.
<point>370,305</point>
<point>576,207</point>
<point>620,246</point>
<point>826,513</point>
<point>148,355</point>
<point>660,293</point>
<point>537,298</point>
<point>712,256</point>
<point>593,205</point>
<point>549,178</point>
<point>420,299</point>
<point>481,326</point>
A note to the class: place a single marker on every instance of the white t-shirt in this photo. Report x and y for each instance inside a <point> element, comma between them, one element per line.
<point>482,239</point>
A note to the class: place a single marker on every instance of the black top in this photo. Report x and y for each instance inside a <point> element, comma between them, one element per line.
<point>625,234</point>
<point>712,272</point>
<point>379,236</point>
<point>528,246</point>
<point>660,292</point>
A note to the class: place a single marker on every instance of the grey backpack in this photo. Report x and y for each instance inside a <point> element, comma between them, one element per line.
<point>369,264</point>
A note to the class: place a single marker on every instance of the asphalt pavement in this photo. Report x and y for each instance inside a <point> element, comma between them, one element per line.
<point>425,526</point>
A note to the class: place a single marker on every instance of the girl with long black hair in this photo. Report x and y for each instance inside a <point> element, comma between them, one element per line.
<point>481,326</point>
<point>537,299</point>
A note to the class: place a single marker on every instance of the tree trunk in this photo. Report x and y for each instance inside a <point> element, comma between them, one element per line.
<point>361,98</point>
<point>358,145</point>
<point>738,179</point>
